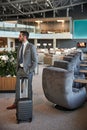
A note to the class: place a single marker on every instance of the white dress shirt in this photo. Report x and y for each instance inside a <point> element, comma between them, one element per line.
<point>25,43</point>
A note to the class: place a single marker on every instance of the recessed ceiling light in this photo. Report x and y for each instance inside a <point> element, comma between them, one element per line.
<point>38,21</point>
<point>60,21</point>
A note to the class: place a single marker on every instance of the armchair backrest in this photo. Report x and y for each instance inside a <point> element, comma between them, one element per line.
<point>64,65</point>
<point>75,62</point>
<point>57,82</point>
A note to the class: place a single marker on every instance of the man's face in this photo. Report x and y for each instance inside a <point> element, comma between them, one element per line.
<point>21,37</point>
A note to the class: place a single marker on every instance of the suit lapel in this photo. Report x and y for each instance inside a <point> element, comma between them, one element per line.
<point>19,50</point>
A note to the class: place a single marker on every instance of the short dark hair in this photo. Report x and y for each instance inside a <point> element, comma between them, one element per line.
<point>25,33</point>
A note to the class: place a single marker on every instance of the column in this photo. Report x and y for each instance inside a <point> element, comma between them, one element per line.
<point>54,44</point>
<point>35,42</point>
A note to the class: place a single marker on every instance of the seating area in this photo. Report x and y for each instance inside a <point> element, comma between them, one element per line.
<point>58,81</point>
<point>55,54</point>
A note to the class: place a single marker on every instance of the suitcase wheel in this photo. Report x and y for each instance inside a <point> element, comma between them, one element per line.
<point>30,119</point>
<point>18,122</point>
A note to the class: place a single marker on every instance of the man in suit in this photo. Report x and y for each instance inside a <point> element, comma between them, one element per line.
<point>26,63</point>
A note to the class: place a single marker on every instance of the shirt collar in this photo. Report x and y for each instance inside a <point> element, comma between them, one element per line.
<point>25,43</point>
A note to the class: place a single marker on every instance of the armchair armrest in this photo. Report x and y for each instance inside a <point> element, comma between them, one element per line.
<point>75,90</point>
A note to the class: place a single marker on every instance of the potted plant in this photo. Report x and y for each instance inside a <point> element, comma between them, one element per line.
<point>7,70</point>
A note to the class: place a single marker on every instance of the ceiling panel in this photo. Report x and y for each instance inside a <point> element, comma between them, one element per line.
<point>21,9</point>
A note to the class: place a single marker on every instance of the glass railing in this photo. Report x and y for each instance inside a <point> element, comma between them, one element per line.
<point>5,26</point>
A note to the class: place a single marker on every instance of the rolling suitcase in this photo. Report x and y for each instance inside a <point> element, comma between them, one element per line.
<point>24,104</point>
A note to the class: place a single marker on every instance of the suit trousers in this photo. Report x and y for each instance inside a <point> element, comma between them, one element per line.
<point>21,73</point>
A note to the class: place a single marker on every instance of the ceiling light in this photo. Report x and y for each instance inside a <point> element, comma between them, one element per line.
<point>38,44</point>
<point>44,44</point>
<point>49,44</point>
<point>60,21</point>
<point>38,21</point>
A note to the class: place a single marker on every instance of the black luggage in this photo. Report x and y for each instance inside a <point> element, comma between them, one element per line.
<point>24,105</point>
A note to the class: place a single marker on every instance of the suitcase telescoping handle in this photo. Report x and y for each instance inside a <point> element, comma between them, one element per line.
<point>24,82</point>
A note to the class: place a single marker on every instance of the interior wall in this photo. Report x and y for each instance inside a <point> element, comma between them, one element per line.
<point>69,43</point>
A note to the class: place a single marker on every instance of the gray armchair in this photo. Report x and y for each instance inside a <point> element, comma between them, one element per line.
<point>64,65</point>
<point>57,86</point>
<point>70,67</point>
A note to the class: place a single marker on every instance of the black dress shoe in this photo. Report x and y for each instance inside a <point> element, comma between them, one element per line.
<point>86,99</point>
<point>11,107</point>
